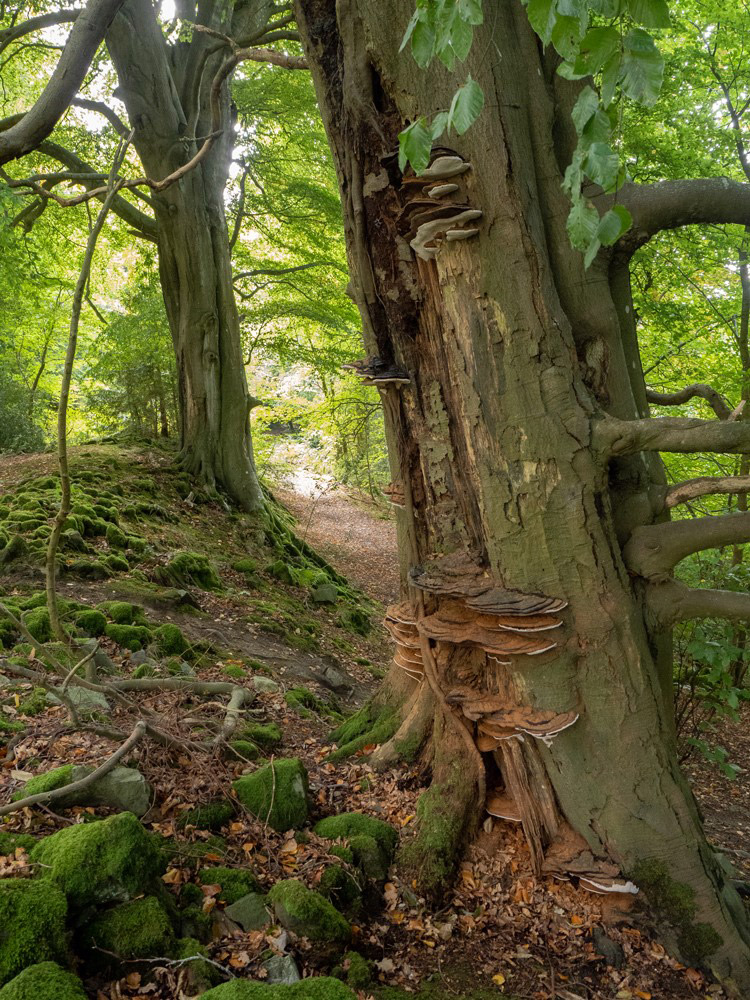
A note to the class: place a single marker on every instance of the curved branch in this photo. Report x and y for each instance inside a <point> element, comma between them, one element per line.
<point>89,28</point>
<point>613,437</point>
<point>33,24</point>
<point>705,486</point>
<point>714,399</point>
<point>671,204</point>
<point>653,550</point>
<point>103,109</point>
<point>673,602</point>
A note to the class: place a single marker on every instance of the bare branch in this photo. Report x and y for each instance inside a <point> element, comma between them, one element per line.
<point>44,798</point>
<point>685,435</point>
<point>33,24</point>
<point>103,109</point>
<point>714,399</point>
<point>89,28</point>
<point>653,550</point>
<point>671,602</point>
<point>705,486</point>
<point>671,204</point>
<point>282,59</point>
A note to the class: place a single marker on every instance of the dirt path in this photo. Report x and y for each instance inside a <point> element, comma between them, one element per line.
<point>351,534</point>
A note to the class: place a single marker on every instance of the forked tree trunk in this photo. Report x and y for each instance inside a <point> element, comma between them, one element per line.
<point>513,352</point>
<point>167,95</point>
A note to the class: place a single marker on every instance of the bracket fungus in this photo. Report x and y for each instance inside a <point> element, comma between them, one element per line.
<point>395,493</point>
<point>427,242</point>
<point>569,856</point>
<point>441,190</point>
<point>444,167</point>
<point>375,371</point>
<point>400,623</point>
<point>501,805</point>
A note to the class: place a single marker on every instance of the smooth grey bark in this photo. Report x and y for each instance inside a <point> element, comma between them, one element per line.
<point>523,391</point>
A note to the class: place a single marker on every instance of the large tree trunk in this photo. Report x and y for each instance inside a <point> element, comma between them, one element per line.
<point>514,352</point>
<point>168,97</point>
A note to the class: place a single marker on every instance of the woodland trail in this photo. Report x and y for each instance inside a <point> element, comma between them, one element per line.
<point>352,533</point>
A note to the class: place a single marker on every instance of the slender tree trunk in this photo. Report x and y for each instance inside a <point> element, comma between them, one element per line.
<point>513,351</point>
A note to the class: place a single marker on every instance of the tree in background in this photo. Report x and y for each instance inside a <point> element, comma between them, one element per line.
<point>535,641</point>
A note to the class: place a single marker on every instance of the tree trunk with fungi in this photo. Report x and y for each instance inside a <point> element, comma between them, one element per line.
<point>168,97</point>
<point>524,458</point>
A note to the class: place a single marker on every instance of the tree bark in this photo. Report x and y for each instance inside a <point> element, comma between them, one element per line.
<point>513,351</point>
<point>168,95</point>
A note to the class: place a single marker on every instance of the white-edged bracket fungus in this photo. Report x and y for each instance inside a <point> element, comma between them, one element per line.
<point>502,806</point>
<point>426,243</point>
<point>441,190</point>
<point>444,167</point>
<point>569,856</point>
<point>394,493</point>
<point>375,371</point>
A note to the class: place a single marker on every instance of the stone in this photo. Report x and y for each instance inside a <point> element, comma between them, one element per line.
<point>276,793</point>
<point>123,788</point>
<point>282,970</point>
<point>609,950</point>
<point>265,685</point>
<point>250,912</point>
<point>336,680</point>
<point>87,702</point>
<point>140,928</point>
<point>308,914</point>
<point>325,593</point>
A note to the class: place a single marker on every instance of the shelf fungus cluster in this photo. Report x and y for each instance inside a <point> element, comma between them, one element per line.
<point>375,371</point>
<point>394,493</point>
<point>400,622</point>
<point>435,211</point>
<point>570,858</point>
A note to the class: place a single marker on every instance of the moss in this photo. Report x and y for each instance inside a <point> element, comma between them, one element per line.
<point>116,537</point>
<point>355,620</point>
<point>32,918</point>
<point>118,563</point>
<point>7,727</point>
<point>348,825</point>
<point>194,923</point>
<point>322,988</point>
<point>8,634</point>
<point>281,570</point>
<point>384,726</point>
<point>307,913</point>
<point>37,622</point>
<point>86,570</point>
<point>304,701</point>
<point>234,670</point>
<point>190,569</point>
<point>137,544</point>
<point>211,816</point>
<point>235,882</point>
<point>245,565</point>
<point>674,902</point>
<point>107,861</point>
<point>44,981</point>
<point>15,549</point>
<point>47,782</point>
<point>170,640</point>
<point>35,703</point>
<point>137,929</point>
<point>276,793</point>
<point>132,637</point>
<point>243,750</point>
<point>144,670</point>
<point>432,855</point>
<point>201,974</point>
<point>341,888</point>
<point>267,736</point>
<point>91,622</point>
<point>357,970</point>
<point>123,613</point>
<point>369,857</point>
<point>339,851</point>
<point>9,842</point>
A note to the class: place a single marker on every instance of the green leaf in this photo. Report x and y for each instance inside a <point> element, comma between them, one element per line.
<point>651,13</point>
<point>643,67</point>
<point>585,108</point>
<point>591,252</point>
<point>423,43</point>
<point>471,11</point>
<point>566,36</point>
<point>610,78</point>
<point>571,8</point>
<point>602,165</point>
<point>597,129</point>
<point>597,47</point>
<point>439,124</point>
<point>466,106</point>
<point>414,146</point>
<point>582,224</point>
<point>614,224</point>
<point>542,15</point>
<point>409,30</point>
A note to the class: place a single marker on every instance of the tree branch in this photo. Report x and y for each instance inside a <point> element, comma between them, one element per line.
<point>613,437</point>
<point>653,550</point>
<point>89,28</point>
<point>103,109</point>
<point>671,204</point>
<point>33,24</point>
<point>714,399</point>
<point>704,486</point>
<point>672,602</point>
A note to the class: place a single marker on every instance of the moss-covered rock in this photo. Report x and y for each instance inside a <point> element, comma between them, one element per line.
<point>323,988</point>
<point>200,974</point>
<point>245,565</point>
<point>32,925</point>
<point>140,928</point>
<point>58,777</point>
<point>355,620</point>
<point>341,887</point>
<point>132,637</point>
<point>38,623</point>
<point>265,735</point>
<point>355,969</point>
<point>44,981</point>
<point>86,569</point>
<point>242,750</point>
<point>91,622</point>
<point>191,569</point>
<point>170,640</point>
<point>108,861</point>
<point>308,914</point>
<point>116,537</point>
<point>16,548</point>
<point>235,882</point>
<point>369,857</point>
<point>118,563</point>
<point>35,703</point>
<point>123,613</point>
<point>348,825</point>
<point>276,793</point>
<point>304,701</point>
<point>211,816</point>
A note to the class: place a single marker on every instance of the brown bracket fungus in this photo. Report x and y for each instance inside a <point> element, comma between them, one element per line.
<point>501,805</point>
<point>441,190</point>
<point>570,856</point>
<point>395,494</point>
<point>375,371</point>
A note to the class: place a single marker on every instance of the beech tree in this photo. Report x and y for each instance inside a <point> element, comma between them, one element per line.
<point>533,663</point>
<point>174,80</point>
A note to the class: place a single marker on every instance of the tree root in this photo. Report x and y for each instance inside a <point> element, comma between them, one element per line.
<point>411,735</point>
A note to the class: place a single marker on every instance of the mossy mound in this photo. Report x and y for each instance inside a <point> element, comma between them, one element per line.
<point>92,622</point>
<point>170,641</point>
<point>308,914</point>
<point>190,569</point>
<point>267,736</point>
<point>323,988</point>
<point>108,861</point>
<point>140,928</point>
<point>116,537</point>
<point>304,701</point>
<point>32,925</point>
<point>123,612</point>
<point>58,777</point>
<point>348,825</point>
<point>370,725</point>
<point>132,637</point>
<point>242,750</point>
<point>369,857</point>
<point>276,793</point>
<point>44,981</point>
<point>211,816</point>
<point>38,623</point>
<point>10,842</point>
<point>355,970</point>
<point>235,882</point>
<point>341,887</point>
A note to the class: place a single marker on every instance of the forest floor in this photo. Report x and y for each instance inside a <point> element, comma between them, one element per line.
<point>501,931</point>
